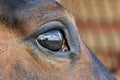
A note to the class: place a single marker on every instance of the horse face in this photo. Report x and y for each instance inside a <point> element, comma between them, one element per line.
<point>39,41</point>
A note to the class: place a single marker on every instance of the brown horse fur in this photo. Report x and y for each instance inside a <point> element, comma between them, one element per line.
<point>22,59</point>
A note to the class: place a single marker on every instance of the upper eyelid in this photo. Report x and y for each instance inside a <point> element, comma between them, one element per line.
<point>49,26</point>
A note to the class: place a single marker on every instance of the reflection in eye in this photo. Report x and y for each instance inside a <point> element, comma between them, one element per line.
<point>52,40</point>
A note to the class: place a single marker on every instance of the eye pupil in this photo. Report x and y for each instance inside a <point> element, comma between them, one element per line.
<point>52,40</point>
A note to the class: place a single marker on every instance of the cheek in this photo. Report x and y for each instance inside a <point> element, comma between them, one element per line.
<point>17,63</point>
<point>8,39</point>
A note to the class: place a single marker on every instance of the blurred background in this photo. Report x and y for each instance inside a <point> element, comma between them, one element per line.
<point>99,25</point>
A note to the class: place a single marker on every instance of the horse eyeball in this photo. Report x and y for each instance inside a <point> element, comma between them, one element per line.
<point>52,40</point>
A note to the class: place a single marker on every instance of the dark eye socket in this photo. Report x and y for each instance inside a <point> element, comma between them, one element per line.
<point>53,40</point>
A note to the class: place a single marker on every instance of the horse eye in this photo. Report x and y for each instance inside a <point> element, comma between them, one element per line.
<point>52,40</point>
